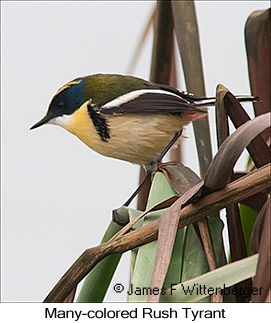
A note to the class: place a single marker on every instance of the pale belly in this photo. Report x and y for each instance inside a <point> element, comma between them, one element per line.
<point>138,139</point>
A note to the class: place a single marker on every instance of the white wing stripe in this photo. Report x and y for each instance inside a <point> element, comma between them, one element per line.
<point>133,95</point>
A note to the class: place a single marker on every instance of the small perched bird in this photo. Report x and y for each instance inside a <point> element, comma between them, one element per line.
<point>125,117</point>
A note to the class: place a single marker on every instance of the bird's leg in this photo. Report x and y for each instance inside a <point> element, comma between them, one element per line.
<point>153,167</point>
<point>150,173</point>
<point>138,189</point>
<point>115,215</point>
<point>157,163</point>
<point>175,138</point>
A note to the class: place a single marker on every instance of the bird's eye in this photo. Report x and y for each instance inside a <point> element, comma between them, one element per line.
<point>60,104</point>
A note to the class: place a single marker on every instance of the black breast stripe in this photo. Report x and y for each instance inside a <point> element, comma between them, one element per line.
<point>99,122</point>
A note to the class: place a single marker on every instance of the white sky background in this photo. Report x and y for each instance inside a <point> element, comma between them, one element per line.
<point>57,195</point>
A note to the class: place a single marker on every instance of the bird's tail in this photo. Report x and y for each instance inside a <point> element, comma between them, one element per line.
<point>203,101</point>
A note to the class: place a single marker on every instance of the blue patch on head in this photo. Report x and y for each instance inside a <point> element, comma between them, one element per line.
<point>68,100</point>
<point>74,96</point>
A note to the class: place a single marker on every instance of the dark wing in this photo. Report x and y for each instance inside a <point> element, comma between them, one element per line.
<point>148,101</point>
<point>202,100</point>
<point>185,95</point>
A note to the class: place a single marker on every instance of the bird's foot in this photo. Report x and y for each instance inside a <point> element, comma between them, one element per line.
<point>170,163</point>
<point>156,165</point>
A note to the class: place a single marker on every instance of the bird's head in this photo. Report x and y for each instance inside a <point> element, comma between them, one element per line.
<point>65,102</point>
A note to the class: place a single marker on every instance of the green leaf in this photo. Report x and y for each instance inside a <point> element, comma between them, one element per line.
<point>133,214</point>
<point>97,281</point>
<point>220,278</point>
<point>194,259</point>
<point>248,218</point>
<point>159,192</point>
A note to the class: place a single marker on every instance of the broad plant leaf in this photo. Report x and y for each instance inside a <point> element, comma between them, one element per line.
<point>168,225</point>
<point>220,278</point>
<point>133,214</point>
<point>98,280</point>
<point>194,259</point>
<point>160,190</point>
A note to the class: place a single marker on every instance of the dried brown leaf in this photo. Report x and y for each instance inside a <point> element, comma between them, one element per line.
<point>258,228</point>
<point>262,280</point>
<point>257,36</point>
<point>258,149</point>
<point>221,167</point>
<point>187,35</point>
<point>222,126</point>
<point>168,225</point>
<point>180,178</point>
<point>233,193</point>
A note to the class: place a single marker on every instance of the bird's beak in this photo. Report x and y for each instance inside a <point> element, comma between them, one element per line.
<point>41,122</point>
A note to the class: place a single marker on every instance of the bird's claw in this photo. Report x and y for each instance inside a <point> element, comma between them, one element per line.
<point>159,165</point>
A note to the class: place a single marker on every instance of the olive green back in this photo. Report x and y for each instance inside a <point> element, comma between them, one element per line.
<point>102,88</point>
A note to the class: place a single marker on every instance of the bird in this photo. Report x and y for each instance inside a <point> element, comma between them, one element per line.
<point>125,117</point>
